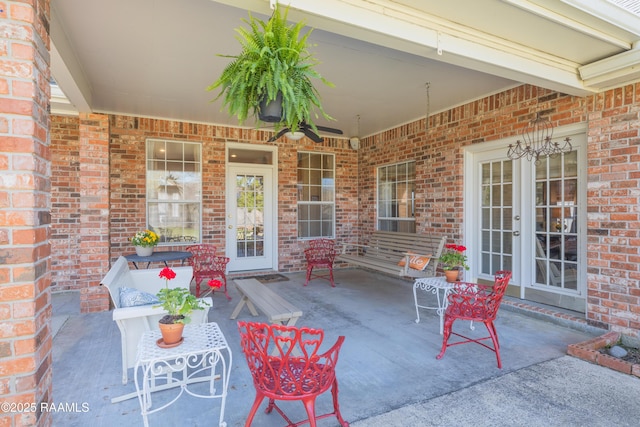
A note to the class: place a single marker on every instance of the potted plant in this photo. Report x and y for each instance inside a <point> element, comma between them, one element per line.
<point>274,65</point>
<point>144,242</point>
<point>453,260</point>
<point>179,303</point>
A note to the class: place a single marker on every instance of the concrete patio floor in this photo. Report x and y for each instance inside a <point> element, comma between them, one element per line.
<point>387,372</point>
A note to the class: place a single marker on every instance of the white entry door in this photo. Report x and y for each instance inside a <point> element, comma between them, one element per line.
<point>250,218</point>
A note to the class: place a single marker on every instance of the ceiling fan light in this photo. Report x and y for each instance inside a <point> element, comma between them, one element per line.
<point>294,136</point>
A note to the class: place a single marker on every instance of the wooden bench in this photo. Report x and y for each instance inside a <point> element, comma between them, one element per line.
<point>385,250</point>
<point>255,294</point>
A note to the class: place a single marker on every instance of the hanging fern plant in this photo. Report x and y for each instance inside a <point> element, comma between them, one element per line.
<point>274,60</point>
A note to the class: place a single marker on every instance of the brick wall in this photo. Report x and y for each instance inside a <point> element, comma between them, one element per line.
<point>438,151</point>
<point>65,202</point>
<point>78,178</point>
<point>613,122</point>
<point>80,207</point>
<point>613,201</point>
<point>25,295</point>
<point>93,245</point>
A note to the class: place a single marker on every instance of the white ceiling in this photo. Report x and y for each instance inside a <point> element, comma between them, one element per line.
<point>154,58</point>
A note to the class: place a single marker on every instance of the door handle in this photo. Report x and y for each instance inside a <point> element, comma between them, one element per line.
<point>230,227</point>
<point>516,233</point>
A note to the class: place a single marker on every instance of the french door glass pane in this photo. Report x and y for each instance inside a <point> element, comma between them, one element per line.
<point>496,221</point>
<point>250,215</point>
<point>556,222</point>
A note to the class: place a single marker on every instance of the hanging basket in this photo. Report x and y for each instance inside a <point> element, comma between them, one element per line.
<point>271,111</point>
<point>144,250</point>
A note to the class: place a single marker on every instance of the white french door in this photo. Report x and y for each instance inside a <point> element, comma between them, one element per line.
<point>529,218</point>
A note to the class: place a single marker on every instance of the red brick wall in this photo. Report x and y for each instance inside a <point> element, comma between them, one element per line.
<point>613,179</point>
<point>438,153</point>
<point>94,211</point>
<point>65,202</point>
<point>74,225</point>
<point>25,295</point>
<point>613,123</point>
<point>80,207</point>
<point>613,201</point>
<point>127,192</point>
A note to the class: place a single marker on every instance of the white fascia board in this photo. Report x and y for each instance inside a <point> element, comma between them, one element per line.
<point>458,45</point>
<point>569,23</point>
<point>612,71</point>
<point>489,60</point>
<point>608,12</point>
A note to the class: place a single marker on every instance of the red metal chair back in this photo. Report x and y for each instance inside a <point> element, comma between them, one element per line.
<point>320,253</point>
<point>207,265</point>
<point>472,301</point>
<point>477,303</point>
<point>285,365</point>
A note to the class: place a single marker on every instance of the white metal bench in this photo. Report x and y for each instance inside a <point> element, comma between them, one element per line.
<point>255,294</point>
<point>385,249</point>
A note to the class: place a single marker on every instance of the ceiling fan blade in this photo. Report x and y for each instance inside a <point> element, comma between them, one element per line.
<point>331,130</point>
<point>278,135</point>
<point>312,136</point>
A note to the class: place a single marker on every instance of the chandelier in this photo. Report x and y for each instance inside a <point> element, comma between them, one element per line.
<point>536,142</point>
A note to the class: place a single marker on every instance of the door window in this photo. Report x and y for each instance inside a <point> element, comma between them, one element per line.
<point>250,215</point>
<point>496,214</point>
<point>556,210</point>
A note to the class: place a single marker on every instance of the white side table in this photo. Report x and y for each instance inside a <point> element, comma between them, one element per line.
<point>203,356</point>
<point>433,285</point>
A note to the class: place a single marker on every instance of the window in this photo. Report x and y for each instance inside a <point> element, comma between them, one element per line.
<point>316,195</point>
<point>396,197</point>
<point>174,187</point>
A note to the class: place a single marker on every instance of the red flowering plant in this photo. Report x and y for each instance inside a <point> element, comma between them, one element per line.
<point>215,284</point>
<point>178,302</point>
<point>454,257</point>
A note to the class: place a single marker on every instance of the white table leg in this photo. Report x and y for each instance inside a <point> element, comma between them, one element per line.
<point>415,300</point>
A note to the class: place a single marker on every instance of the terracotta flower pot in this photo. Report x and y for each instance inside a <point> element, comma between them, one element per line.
<point>171,332</point>
<point>452,275</point>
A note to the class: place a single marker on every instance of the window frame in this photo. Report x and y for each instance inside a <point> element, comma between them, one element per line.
<point>302,204</point>
<point>150,181</point>
<point>410,203</point>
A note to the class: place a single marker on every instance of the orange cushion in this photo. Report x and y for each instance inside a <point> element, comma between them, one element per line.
<point>417,262</point>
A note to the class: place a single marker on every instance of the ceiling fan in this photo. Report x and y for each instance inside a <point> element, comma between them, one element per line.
<point>304,129</point>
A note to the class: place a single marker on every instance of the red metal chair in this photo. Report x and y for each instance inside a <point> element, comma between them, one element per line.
<point>284,364</point>
<point>477,303</point>
<point>206,265</point>
<point>320,253</point>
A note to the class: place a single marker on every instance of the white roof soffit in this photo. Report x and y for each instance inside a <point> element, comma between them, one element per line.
<point>400,27</point>
<point>68,75</point>
<point>621,68</point>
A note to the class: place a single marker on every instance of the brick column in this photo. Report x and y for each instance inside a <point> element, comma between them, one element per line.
<point>94,211</point>
<point>25,167</point>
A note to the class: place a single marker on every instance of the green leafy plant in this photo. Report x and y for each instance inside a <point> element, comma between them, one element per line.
<point>178,302</point>
<point>454,258</point>
<point>274,59</point>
